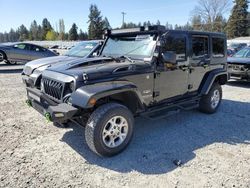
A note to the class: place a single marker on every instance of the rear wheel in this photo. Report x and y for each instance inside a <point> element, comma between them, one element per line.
<point>210,103</point>
<point>109,129</point>
<point>2,56</point>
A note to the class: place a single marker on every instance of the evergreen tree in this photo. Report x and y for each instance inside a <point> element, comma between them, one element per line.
<point>46,26</point>
<point>39,33</point>
<point>6,37</point>
<point>33,35</point>
<point>129,25</point>
<point>13,37</point>
<point>148,23</point>
<point>219,24</point>
<point>82,35</point>
<point>23,33</point>
<point>73,35</point>
<point>1,37</point>
<point>237,25</point>
<point>96,24</point>
<point>158,22</point>
<point>106,24</point>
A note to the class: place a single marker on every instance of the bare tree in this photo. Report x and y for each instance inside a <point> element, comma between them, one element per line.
<point>210,10</point>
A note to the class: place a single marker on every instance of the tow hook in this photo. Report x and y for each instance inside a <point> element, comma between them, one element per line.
<point>48,116</point>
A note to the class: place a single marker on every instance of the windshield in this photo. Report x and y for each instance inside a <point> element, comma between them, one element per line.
<point>139,46</point>
<point>82,49</point>
<point>244,53</point>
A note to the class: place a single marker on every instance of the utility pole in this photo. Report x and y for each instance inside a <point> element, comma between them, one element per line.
<point>123,15</point>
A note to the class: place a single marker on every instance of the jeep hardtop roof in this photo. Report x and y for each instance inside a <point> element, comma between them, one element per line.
<point>157,29</point>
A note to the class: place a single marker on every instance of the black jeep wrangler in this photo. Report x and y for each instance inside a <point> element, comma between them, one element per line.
<point>149,71</point>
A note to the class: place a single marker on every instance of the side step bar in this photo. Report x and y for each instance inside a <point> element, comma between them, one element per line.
<point>170,109</point>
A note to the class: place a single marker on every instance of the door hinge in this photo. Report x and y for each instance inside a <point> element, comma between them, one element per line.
<point>157,74</point>
<point>156,93</point>
<point>190,86</point>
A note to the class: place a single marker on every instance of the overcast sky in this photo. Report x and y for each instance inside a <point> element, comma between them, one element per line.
<point>17,12</point>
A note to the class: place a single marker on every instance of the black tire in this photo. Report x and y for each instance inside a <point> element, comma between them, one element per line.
<point>207,104</point>
<point>3,57</point>
<point>99,120</point>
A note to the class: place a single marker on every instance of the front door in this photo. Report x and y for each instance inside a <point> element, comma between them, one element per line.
<point>19,52</point>
<point>171,79</point>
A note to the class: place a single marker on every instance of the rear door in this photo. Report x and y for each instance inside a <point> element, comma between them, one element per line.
<point>36,52</point>
<point>199,61</point>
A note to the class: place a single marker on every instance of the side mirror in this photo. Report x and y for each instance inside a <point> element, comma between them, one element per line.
<point>169,57</point>
<point>95,54</point>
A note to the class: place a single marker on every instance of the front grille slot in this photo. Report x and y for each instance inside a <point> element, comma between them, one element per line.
<point>53,88</point>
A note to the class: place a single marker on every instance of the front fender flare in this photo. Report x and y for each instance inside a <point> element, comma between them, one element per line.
<point>97,91</point>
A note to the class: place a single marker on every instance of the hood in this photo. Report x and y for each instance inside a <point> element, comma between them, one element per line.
<point>95,68</point>
<point>6,45</point>
<point>237,60</point>
<point>46,62</point>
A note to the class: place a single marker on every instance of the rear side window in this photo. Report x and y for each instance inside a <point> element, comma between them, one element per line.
<point>176,43</point>
<point>218,47</point>
<point>200,46</point>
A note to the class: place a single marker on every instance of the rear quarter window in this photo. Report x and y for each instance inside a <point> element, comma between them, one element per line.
<point>218,47</point>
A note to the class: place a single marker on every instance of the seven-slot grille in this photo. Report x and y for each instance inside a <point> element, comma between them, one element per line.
<point>52,88</point>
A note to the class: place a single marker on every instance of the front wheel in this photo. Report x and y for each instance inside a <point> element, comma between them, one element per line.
<point>210,103</point>
<point>109,129</point>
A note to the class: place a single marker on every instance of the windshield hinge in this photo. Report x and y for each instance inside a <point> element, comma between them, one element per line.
<point>157,74</point>
<point>156,94</point>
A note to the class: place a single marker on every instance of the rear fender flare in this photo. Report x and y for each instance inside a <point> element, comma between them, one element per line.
<point>210,78</point>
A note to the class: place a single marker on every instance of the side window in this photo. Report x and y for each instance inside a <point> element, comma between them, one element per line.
<point>175,43</point>
<point>218,47</point>
<point>20,46</point>
<point>36,48</point>
<point>200,46</point>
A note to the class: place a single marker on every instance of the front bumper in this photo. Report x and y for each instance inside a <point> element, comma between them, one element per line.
<point>238,72</point>
<point>51,110</point>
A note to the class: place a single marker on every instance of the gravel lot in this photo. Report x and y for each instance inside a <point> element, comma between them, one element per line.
<point>214,149</point>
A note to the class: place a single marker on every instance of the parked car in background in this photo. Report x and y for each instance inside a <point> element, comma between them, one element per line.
<point>23,52</point>
<point>237,46</point>
<point>54,47</point>
<point>32,70</point>
<point>230,52</point>
<point>239,64</point>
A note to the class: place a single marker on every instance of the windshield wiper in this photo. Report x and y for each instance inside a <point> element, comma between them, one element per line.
<point>128,58</point>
